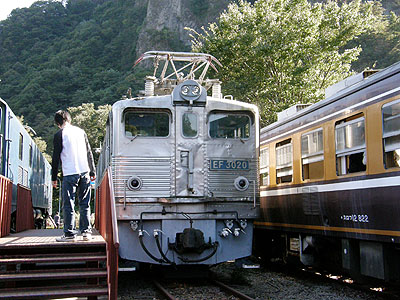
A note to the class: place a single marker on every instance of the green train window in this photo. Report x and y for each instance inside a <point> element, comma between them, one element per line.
<point>146,124</point>
<point>189,125</point>
<point>391,134</point>
<point>224,126</point>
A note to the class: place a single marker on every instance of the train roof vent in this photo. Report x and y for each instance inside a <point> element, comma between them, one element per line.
<point>173,68</point>
<point>291,111</point>
<point>349,81</point>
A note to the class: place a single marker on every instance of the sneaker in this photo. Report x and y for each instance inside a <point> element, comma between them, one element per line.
<point>86,236</point>
<point>64,238</point>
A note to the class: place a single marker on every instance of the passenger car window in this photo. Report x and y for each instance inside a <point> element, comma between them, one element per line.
<point>312,154</point>
<point>189,125</point>
<point>350,146</point>
<point>264,166</point>
<point>224,126</point>
<point>391,134</point>
<point>284,161</point>
<point>146,124</point>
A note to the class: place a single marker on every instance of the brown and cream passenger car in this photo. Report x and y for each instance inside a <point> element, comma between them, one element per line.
<point>330,179</point>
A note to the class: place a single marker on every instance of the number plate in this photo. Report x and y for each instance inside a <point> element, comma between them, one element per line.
<point>229,164</point>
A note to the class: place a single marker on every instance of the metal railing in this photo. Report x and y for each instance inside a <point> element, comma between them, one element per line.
<point>5,205</point>
<point>106,223</point>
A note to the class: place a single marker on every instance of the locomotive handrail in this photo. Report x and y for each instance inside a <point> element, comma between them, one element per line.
<point>163,212</point>
<point>106,223</point>
<point>113,212</point>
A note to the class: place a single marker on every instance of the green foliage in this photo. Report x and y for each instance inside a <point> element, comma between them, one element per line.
<point>199,8</point>
<point>53,57</point>
<point>93,121</point>
<point>276,53</point>
<point>168,39</point>
<point>380,48</point>
<point>42,146</point>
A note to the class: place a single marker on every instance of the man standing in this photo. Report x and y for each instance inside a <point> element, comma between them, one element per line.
<point>72,148</point>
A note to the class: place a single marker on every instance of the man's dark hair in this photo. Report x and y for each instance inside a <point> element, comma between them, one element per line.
<point>61,117</point>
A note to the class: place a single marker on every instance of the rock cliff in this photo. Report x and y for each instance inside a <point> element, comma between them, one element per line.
<point>165,22</point>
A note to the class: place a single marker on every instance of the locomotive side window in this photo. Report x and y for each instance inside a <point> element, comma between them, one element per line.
<point>30,155</point>
<point>189,125</point>
<point>21,146</point>
<point>224,126</point>
<point>284,161</point>
<point>146,124</point>
<point>350,146</point>
<point>312,155</point>
<point>264,166</point>
<point>391,134</point>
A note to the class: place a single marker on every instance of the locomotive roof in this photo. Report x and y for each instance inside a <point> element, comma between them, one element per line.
<point>310,113</point>
<point>164,102</point>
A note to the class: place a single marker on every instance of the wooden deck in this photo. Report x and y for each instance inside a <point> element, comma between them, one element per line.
<point>46,238</point>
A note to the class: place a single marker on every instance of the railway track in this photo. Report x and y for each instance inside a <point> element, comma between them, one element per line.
<point>224,292</point>
<point>272,282</point>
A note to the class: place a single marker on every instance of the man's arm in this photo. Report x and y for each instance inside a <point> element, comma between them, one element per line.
<point>55,162</point>
<point>90,159</point>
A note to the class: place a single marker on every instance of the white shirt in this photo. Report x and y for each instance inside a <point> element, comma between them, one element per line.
<point>74,152</point>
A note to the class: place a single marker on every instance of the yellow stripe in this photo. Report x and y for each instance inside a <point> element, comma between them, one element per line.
<point>329,228</point>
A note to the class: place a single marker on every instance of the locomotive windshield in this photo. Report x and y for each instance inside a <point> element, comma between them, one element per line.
<point>189,125</point>
<point>147,124</point>
<point>224,126</point>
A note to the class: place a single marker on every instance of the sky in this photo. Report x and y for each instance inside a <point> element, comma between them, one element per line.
<point>6,6</point>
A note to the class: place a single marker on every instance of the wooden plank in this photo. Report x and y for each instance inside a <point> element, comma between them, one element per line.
<point>53,275</point>
<point>54,292</point>
<point>46,238</point>
<point>56,259</point>
<point>60,254</point>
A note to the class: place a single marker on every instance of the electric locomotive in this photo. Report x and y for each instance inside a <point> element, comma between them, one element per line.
<point>330,179</point>
<point>22,162</point>
<point>184,167</point>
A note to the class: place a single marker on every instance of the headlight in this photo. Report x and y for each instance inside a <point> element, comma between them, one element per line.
<point>195,90</point>
<point>134,183</point>
<point>190,91</point>
<point>185,90</point>
<point>241,183</point>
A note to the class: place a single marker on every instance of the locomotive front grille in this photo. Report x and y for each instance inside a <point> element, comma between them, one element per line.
<point>154,173</point>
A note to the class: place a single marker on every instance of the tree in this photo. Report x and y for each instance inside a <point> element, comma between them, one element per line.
<point>276,53</point>
<point>381,48</point>
<point>93,121</point>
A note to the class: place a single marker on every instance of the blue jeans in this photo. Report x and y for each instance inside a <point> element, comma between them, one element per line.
<point>70,185</point>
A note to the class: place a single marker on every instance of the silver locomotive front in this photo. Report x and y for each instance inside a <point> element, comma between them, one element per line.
<point>185,176</point>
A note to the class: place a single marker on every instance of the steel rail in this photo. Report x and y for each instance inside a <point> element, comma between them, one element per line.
<point>163,290</point>
<point>231,290</point>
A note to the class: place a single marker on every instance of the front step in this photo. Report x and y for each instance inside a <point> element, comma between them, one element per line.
<point>34,266</point>
<point>53,275</point>
<point>52,258</point>
<point>45,293</point>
